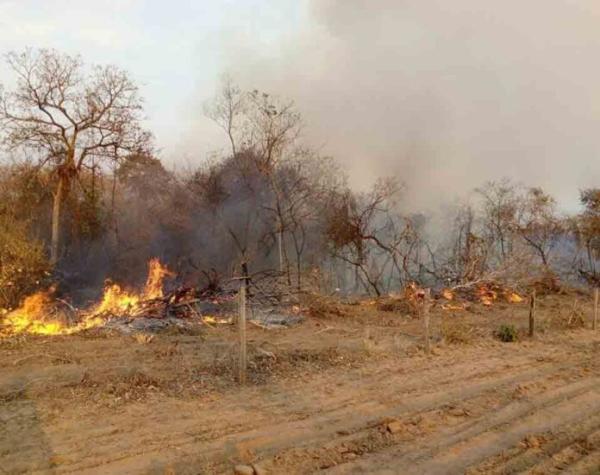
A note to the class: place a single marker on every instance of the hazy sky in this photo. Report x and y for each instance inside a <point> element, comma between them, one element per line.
<point>444,94</point>
<point>176,50</point>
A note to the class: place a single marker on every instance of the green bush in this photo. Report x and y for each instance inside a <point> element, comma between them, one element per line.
<point>507,333</point>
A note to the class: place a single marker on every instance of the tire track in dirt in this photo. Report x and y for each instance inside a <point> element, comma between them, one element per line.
<point>454,451</point>
<point>324,408</point>
<point>575,456</point>
<point>587,465</point>
<point>545,449</point>
<point>322,426</point>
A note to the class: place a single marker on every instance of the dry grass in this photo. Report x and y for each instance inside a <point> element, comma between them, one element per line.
<point>458,333</point>
<point>322,306</point>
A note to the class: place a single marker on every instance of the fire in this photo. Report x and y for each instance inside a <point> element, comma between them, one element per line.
<point>34,316</point>
<point>454,306</point>
<point>487,295</point>
<point>116,300</point>
<point>513,297</point>
<point>119,301</point>
<point>156,274</point>
<point>413,292</point>
<point>448,294</point>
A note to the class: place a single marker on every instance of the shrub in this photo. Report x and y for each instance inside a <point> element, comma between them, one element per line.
<point>23,263</point>
<point>507,333</point>
<point>458,333</point>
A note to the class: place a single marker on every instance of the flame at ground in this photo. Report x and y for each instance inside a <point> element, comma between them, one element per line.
<point>156,275</point>
<point>116,300</point>
<point>487,296</point>
<point>34,315</point>
<point>413,292</point>
<point>454,306</point>
<point>513,297</point>
<point>448,294</point>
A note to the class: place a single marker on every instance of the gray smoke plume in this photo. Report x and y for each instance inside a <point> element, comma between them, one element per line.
<point>445,95</point>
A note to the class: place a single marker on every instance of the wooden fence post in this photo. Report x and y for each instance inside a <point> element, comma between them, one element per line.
<point>595,321</point>
<point>242,332</point>
<point>532,314</point>
<point>425,309</point>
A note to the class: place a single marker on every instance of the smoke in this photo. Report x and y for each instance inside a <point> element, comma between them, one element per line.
<point>444,95</point>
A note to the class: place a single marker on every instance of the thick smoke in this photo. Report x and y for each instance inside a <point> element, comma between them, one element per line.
<point>445,95</point>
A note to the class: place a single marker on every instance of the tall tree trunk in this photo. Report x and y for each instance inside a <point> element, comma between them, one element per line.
<point>280,248</point>
<point>114,235</point>
<point>56,211</point>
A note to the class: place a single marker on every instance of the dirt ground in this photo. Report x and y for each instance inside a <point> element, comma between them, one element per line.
<point>350,390</point>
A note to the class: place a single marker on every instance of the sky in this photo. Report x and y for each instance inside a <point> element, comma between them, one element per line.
<point>444,95</point>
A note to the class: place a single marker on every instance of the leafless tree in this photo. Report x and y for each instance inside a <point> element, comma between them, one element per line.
<point>499,210</point>
<point>538,223</point>
<point>272,127</point>
<point>304,180</point>
<point>227,110</point>
<point>586,227</point>
<point>70,118</point>
<point>365,232</point>
<point>263,129</point>
<point>468,256</point>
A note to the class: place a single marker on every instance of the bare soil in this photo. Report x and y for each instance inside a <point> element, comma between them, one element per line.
<point>350,390</point>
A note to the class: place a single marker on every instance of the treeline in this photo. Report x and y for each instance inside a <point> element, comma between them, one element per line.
<point>83,198</point>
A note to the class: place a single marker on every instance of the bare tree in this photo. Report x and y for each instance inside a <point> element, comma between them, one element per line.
<point>364,231</point>
<point>304,180</point>
<point>538,223</point>
<point>468,255</point>
<point>70,118</point>
<point>272,127</point>
<point>227,110</point>
<point>264,129</point>
<point>586,227</point>
<point>499,206</point>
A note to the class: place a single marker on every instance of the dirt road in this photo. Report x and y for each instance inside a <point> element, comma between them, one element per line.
<point>486,407</point>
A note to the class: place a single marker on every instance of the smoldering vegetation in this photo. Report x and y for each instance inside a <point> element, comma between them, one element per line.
<point>85,198</point>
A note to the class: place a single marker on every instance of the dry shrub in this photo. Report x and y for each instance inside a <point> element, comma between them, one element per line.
<point>546,284</point>
<point>321,306</point>
<point>458,333</point>
<point>133,384</point>
<point>23,263</point>
<point>395,305</point>
<point>572,318</point>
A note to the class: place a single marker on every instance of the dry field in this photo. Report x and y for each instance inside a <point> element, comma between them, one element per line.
<point>349,390</point>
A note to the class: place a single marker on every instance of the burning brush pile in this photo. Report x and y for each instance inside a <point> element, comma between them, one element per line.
<point>486,293</point>
<point>461,297</point>
<point>126,310</point>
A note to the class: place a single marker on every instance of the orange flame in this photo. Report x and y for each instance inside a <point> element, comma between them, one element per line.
<point>156,274</point>
<point>448,294</point>
<point>413,292</point>
<point>116,300</point>
<point>487,295</point>
<point>454,306</point>
<point>33,316</point>
<point>513,297</point>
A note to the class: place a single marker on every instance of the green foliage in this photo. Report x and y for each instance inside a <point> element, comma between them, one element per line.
<point>23,263</point>
<point>507,333</point>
